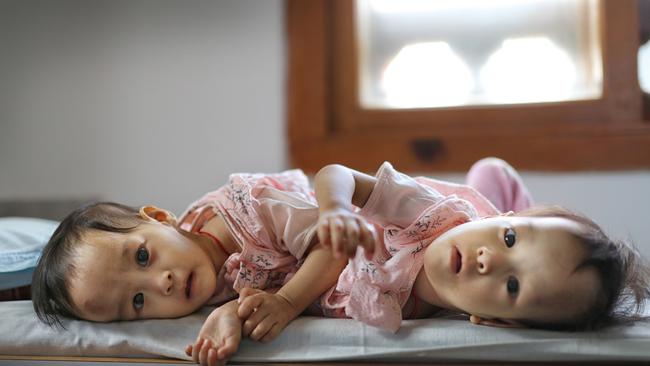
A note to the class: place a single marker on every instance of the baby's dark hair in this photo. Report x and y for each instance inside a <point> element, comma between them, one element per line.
<point>51,279</point>
<point>623,276</point>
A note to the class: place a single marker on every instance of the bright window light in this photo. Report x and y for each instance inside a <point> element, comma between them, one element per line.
<point>525,69</point>
<point>644,67</point>
<point>426,75</point>
<point>450,53</point>
<point>423,6</point>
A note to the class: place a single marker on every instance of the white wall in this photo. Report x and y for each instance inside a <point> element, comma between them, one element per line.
<point>157,101</point>
<point>138,101</point>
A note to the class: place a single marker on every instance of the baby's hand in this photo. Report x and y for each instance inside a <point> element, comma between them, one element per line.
<point>266,314</point>
<point>344,230</point>
<point>219,337</point>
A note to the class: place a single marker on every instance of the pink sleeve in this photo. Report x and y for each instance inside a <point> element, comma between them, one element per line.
<point>397,199</point>
<point>482,205</point>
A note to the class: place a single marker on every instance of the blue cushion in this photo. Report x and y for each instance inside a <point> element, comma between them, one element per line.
<point>21,242</point>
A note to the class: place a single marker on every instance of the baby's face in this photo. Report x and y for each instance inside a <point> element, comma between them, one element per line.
<point>154,271</point>
<point>512,268</point>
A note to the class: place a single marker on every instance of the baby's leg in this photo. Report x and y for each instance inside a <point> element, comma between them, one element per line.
<point>500,183</point>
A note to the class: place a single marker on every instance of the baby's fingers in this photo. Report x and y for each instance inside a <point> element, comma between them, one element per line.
<point>271,334</point>
<point>248,306</point>
<point>203,354</point>
<point>323,231</point>
<point>262,328</point>
<point>352,237</point>
<point>368,239</point>
<point>336,236</point>
<point>247,292</point>
<point>188,350</point>
<point>196,349</point>
<point>212,358</point>
<point>254,320</point>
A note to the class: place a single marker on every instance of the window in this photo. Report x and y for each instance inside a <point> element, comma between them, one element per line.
<point>436,85</point>
<point>644,67</point>
<point>422,54</point>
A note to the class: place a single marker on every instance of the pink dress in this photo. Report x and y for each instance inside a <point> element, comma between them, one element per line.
<point>271,216</point>
<point>411,212</point>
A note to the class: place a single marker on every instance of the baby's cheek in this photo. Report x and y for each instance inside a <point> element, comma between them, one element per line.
<point>168,308</point>
<point>430,274</point>
<point>434,263</point>
<point>478,297</point>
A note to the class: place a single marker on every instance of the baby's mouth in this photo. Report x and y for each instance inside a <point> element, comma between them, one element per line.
<point>188,285</point>
<point>459,260</point>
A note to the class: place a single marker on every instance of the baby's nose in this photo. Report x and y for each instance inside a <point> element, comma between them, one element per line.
<point>483,260</point>
<point>166,282</point>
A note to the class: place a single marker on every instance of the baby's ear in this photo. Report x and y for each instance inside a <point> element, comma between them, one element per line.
<point>157,214</point>
<point>496,322</point>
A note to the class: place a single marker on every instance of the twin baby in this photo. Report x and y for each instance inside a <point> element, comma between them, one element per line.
<point>266,248</point>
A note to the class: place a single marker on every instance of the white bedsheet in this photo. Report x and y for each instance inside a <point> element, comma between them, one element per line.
<point>320,339</point>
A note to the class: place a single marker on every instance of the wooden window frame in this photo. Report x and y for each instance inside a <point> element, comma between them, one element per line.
<point>326,124</point>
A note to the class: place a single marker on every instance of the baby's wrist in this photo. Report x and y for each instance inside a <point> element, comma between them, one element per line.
<point>334,208</point>
<point>291,304</point>
<point>230,306</point>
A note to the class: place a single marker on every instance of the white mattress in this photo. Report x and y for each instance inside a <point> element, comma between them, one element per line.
<point>319,339</point>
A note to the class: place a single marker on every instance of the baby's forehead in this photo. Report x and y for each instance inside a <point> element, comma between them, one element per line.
<point>105,243</point>
<point>100,237</point>
<point>95,279</point>
<point>98,254</point>
<point>95,301</point>
<point>552,223</point>
<point>559,285</point>
<point>558,300</point>
<point>557,240</point>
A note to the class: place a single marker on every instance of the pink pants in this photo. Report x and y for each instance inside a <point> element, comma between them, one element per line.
<point>500,183</point>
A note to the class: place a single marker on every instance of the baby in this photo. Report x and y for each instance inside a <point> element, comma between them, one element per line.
<point>427,246</point>
<point>107,261</point>
<point>447,247</point>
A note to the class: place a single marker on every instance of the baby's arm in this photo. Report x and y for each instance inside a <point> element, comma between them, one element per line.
<point>267,314</point>
<point>337,189</point>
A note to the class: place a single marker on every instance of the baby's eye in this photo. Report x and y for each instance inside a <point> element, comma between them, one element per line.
<point>510,237</point>
<point>138,301</point>
<point>142,256</point>
<point>513,286</point>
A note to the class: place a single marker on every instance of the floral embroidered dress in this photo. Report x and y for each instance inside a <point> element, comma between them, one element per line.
<point>271,216</point>
<point>411,213</point>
